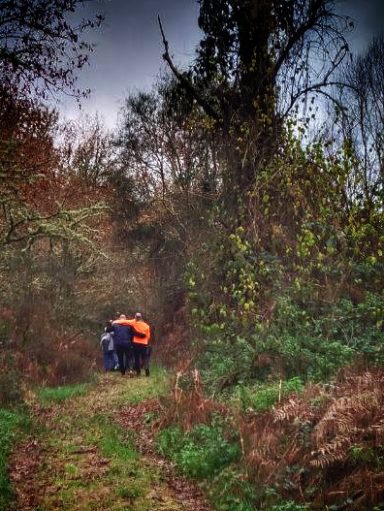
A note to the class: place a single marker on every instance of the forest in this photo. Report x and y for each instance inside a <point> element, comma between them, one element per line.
<point>239,206</point>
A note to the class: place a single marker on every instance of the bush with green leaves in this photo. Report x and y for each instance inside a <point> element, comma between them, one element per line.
<point>231,490</point>
<point>300,285</point>
<point>262,396</point>
<point>203,451</point>
<point>303,340</point>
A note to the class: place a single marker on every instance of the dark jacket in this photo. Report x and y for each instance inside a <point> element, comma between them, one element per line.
<point>123,333</point>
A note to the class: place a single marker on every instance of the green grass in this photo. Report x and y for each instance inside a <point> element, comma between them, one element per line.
<point>92,459</point>
<point>11,424</point>
<point>112,442</point>
<point>155,386</point>
<point>49,395</point>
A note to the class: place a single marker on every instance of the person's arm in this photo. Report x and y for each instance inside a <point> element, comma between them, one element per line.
<point>137,334</point>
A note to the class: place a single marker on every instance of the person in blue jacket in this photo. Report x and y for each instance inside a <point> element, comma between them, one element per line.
<point>123,333</point>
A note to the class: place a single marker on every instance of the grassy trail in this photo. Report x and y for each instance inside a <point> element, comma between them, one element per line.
<point>80,459</point>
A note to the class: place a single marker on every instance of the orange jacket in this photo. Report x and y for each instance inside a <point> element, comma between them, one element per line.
<point>143,328</point>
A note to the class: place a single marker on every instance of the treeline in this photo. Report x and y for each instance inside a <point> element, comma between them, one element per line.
<point>262,171</point>
<point>60,271</point>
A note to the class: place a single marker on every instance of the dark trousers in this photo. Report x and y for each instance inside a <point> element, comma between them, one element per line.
<point>141,353</point>
<point>124,355</point>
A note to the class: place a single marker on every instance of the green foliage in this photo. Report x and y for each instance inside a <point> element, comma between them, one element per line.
<point>362,454</point>
<point>203,451</point>
<point>10,424</point>
<point>308,339</point>
<point>297,291</point>
<point>261,397</point>
<point>209,453</point>
<point>230,490</point>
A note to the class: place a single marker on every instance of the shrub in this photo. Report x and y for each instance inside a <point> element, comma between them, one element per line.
<point>230,490</point>
<point>203,451</point>
<point>262,397</point>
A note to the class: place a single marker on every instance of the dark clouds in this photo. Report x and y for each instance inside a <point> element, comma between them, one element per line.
<point>368,16</point>
<point>128,52</point>
<point>128,55</point>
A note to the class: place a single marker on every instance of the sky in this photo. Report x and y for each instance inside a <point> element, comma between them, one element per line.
<point>128,53</point>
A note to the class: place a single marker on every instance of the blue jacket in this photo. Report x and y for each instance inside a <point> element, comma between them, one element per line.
<point>122,334</point>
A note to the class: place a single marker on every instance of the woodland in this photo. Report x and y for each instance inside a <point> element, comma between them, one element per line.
<point>239,206</point>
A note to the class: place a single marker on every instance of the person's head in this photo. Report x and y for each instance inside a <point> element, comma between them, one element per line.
<point>138,316</point>
<point>122,316</point>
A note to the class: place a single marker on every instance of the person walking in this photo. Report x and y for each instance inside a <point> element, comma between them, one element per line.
<point>141,347</point>
<point>123,335</point>
<point>108,349</point>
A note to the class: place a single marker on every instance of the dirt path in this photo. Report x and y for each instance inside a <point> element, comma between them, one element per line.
<point>94,452</point>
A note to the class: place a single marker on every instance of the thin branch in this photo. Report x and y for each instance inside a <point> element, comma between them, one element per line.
<point>211,112</point>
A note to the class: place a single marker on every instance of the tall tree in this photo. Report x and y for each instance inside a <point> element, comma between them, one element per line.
<point>363,120</point>
<point>255,61</point>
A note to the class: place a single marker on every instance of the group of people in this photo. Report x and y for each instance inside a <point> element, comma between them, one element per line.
<point>126,345</point>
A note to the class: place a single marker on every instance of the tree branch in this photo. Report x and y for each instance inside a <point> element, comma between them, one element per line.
<point>208,109</point>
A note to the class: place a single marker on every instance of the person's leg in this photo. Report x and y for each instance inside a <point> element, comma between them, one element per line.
<point>143,359</point>
<point>136,353</point>
<point>129,359</point>
<point>115,360</point>
<point>120,357</point>
<point>110,361</point>
<point>105,361</point>
<point>146,355</point>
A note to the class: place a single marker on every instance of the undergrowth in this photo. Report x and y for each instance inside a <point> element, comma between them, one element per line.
<point>11,425</point>
<point>262,396</point>
<point>203,451</point>
<point>282,446</point>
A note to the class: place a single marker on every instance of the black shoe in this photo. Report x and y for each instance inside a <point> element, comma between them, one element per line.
<point>147,372</point>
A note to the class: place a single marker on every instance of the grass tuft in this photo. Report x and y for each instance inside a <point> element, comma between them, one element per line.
<point>49,395</point>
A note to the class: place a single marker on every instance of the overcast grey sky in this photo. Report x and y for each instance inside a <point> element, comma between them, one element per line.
<point>128,58</point>
<point>128,53</point>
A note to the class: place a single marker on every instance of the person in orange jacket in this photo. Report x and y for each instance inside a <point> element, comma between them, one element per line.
<point>141,346</point>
